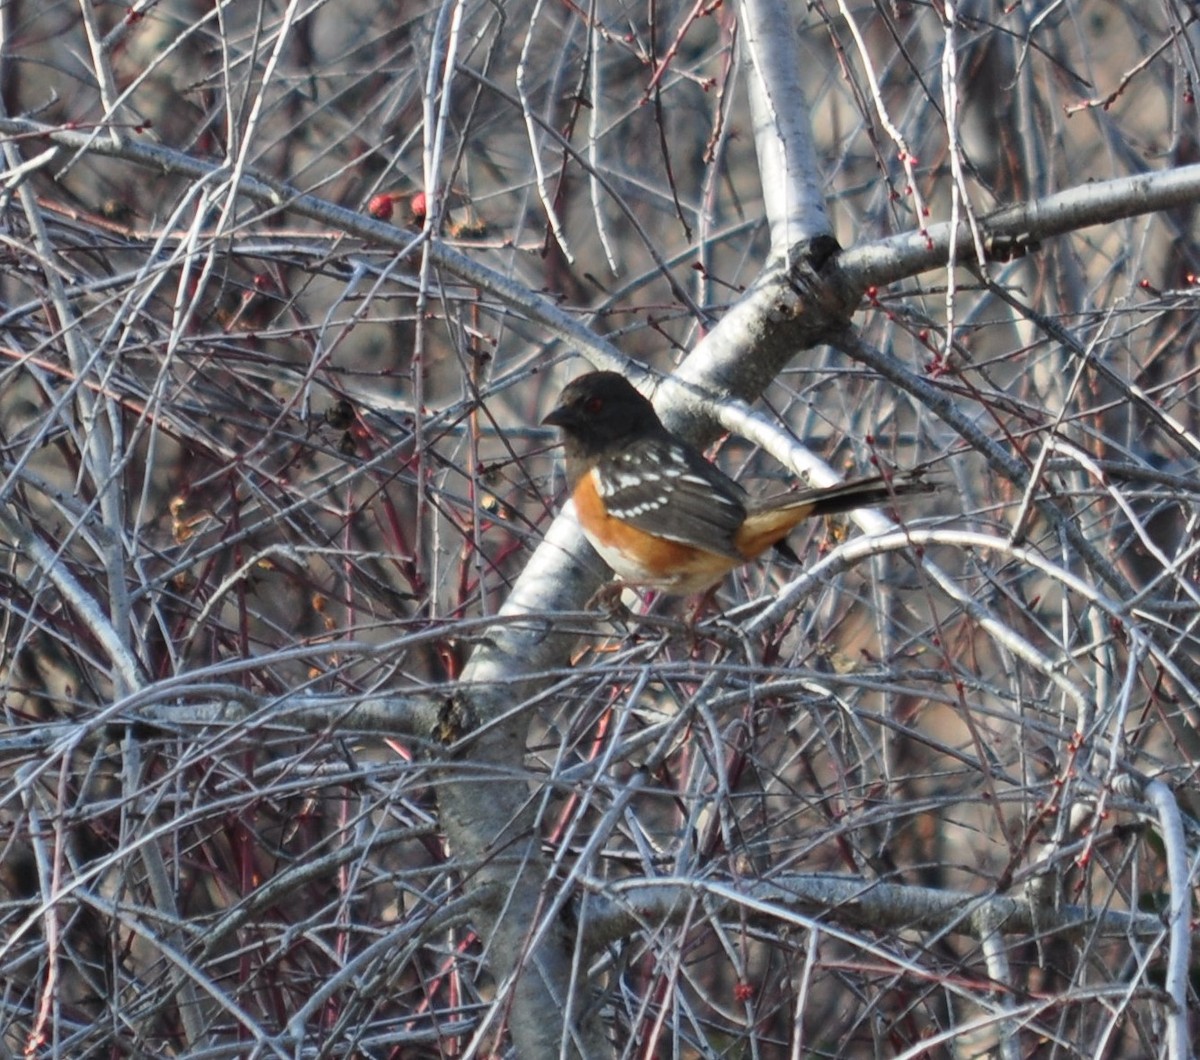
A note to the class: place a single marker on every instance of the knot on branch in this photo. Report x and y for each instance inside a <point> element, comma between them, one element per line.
<point>817,296</point>
<point>454,719</point>
<point>1009,247</point>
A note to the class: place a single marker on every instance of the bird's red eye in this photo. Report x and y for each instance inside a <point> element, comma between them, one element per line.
<point>593,405</point>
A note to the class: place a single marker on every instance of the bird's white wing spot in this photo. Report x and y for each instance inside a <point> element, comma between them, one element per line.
<point>617,480</point>
<point>641,508</point>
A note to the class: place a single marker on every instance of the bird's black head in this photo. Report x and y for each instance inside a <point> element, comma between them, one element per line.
<point>601,408</point>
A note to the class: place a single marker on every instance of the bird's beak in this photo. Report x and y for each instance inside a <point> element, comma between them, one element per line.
<point>560,416</point>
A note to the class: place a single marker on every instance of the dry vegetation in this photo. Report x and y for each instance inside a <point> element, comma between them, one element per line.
<point>270,464</point>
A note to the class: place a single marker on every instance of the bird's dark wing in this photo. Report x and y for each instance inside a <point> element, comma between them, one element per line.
<point>666,488</point>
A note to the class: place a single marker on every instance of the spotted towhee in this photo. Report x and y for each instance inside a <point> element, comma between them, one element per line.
<point>659,514</point>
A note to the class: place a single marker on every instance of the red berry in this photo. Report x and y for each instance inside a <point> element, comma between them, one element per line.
<point>380,206</point>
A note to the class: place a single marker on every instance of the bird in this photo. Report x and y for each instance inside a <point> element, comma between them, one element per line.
<point>659,513</point>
